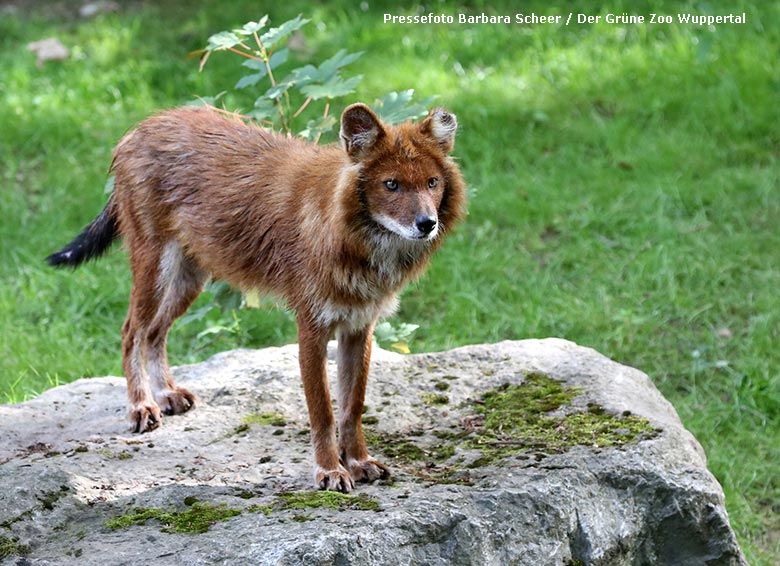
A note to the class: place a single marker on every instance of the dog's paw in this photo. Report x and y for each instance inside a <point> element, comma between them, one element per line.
<point>145,416</point>
<point>176,401</point>
<point>334,480</point>
<point>367,470</point>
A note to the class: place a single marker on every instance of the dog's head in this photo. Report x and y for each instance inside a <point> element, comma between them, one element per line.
<point>410,185</point>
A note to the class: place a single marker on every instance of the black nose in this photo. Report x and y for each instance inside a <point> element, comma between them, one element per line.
<point>425,224</point>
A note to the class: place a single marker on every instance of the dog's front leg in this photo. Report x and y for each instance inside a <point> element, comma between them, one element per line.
<point>313,344</point>
<point>354,357</point>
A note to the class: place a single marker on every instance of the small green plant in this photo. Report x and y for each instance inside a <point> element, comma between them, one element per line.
<point>396,336</point>
<point>284,102</point>
<point>282,105</point>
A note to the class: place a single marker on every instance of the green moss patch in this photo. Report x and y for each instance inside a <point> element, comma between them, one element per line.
<point>198,518</point>
<point>10,547</point>
<point>50,498</point>
<point>300,500</point>
<point>534,417</point>
<point>328,500</point>
<point>108,453</point>
<point>271,419</point>
<point>537,394</point>
<point>425,463</point>
<point>435,399</point>
<point>394,446</point>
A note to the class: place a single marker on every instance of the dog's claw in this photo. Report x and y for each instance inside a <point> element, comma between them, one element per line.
<point>176,401</point>
<point>334,480</point>
<point>368,470</point>
<point>145,417</point>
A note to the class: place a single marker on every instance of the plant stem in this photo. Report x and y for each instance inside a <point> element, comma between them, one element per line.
<point>324,115</point>
<point>242,53</point>
<point>266,59</point>
<point>304,105</point>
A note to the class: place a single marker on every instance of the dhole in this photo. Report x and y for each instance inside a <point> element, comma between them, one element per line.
<point>335,230</point>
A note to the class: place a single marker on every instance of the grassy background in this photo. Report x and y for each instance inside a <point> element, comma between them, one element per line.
<point>625,184</point>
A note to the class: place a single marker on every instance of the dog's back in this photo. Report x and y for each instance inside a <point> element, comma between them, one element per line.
<point>219,188</point>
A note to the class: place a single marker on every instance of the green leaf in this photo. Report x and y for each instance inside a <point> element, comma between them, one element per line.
<point>385,332</point>
<point>276,91</point>
<point>216,329</point>
<point>317,127</point>
<point>330,67</point>
<point>303,75</point>
<point>108,188</point>
<point>222,40</point>
<point>206,100</point>
<point>274,35</point>
<point>194,315</point>
<point>278,58</point>
<point>225,296</point>
<point>264,108</point>
<point>334,88</point>
<point>252,27</point>
<point>254,64</point>
<point>397,107</point>
<point>249,80</point>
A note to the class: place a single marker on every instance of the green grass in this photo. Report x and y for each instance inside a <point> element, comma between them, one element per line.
<point>625,196</point>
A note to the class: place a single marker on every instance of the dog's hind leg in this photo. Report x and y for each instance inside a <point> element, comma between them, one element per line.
<point>165,283</point>
<point>180,282</point>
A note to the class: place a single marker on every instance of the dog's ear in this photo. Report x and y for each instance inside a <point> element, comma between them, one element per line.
<point>441,126</point>
<point>360,130</point>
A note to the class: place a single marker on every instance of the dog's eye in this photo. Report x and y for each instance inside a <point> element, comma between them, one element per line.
<point>391,184</point>
<point>433,182</point>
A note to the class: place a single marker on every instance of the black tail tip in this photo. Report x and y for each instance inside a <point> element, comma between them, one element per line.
<point>65,258</point>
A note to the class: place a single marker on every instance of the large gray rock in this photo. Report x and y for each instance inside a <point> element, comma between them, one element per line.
<point>466,490</point>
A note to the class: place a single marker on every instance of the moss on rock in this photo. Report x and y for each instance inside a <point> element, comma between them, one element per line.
<point>328,500</point>
<point>271,419</point>
<point>300,500</point>
<point>198,518</point>
<point>435,399</point>
<point>535,416</point>
<point>11,547</point>
<point>528,416</point>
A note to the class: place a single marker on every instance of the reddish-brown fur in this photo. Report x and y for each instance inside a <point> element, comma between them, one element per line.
<point>198,194</point>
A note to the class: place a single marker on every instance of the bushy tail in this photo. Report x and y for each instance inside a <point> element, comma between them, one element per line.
<point>93,241</point>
